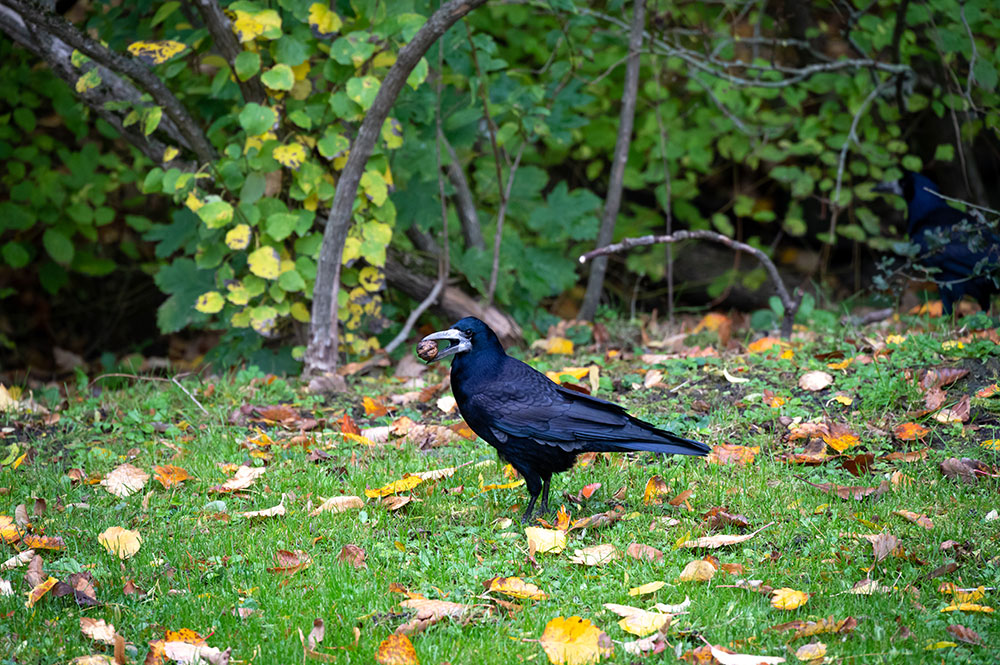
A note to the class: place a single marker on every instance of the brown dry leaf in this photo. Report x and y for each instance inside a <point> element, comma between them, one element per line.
<point>395,501</point>
<point>545,540</point>
<point>681,498</point>
<point>941,377</point>
<point>354,555</point>
<point>717,517</point>
<point>430,612</point>
<point>729,453</point>
<point>655,487</point>
<point>883,544</point>
<point>643,552</point>
<point>911,456</point>
<point>916,518</point>
<point>815,651</point>
<point>338,504</point>
<point>574,641</point>
<point>965,468</point>
<point>815,380</point>
<point>276,511</point>
<point>647,588</point>
<point>959,413</point>
<point>97,629</point>
<point>814,453</point>
<point>698,570</point>
<point>638,621</point>
<point>396,650</point>
<point>121,542</point>
<point>867,587</point>
<point>425,437</point>
<point>242,479</point>
<point>848,492</point>
<point>125,480</point>
<point>595,521</point>
<point>597,555</point>
<point>39,590</point>
<point>811,628</point>
<point>290,562</point>
<point>910,431</point>
<point>516,588</point>
<point>722,540</point>
<point>788,599</point>
<point>170,475</point>
<point>963,634</point>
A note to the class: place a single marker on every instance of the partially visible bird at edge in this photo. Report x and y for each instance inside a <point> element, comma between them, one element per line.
<point>536,425</point>
<point>964,252</point>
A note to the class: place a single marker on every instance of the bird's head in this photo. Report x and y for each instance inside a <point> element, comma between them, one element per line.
<point>919,192</point>
<point>465,335</point>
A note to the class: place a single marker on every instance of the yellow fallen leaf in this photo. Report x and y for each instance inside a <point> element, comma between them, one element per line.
<point>517,588</point>
<point>404,484</point>
<point>574,641</point>
<point>698,570</point>
<point>576,372</point>
<point>811,652</point>
<point>648,587</point>
<point>598,555</point>
<point>123,543</point>
<point>940,645</point>
<point>545,540</point>
<point>788,599</point>
<point>396,650</point>
<point>967,607</point>
<point>338,504</point>
<point>39,591</point>
<point>559,345</point>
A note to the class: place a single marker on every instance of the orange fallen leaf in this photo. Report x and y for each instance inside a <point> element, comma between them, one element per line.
<point>290,562</point>
<point>655,487</point>
<point>170,475</point>
<point>916,518</point>
<point>910,431</point>
<point>730,453</point>
<point>644,552</point>
<point>765,344</point>
<point>396,650</point>
<point>54,543</point>
<point>516,588</point>
<point>40,590</point>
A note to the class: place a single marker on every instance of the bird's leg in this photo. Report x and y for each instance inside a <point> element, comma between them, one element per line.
<point>534,483</point>
<point>545,495</point>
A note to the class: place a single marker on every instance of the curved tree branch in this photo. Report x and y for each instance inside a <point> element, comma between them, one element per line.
<point>321,355</point>
<point>791,303</point>
<point>220,27</point>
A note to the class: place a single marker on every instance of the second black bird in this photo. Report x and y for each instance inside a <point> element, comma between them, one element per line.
<point>536,425</point>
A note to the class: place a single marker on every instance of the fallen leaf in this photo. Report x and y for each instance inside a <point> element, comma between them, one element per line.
<point>276,511</point>
<point>883,544</point>
<point>725,658</point>
<point>968,470</point>
<point>354,555</point>
<point>516,588</point>
<point>698,570</point>
<point>545,540</point>
<point>847,492</point>
<point>764,344</point>
<point>649,587</point>
<point>597,555</point>
<point>37,542</point>
<point>840,438</point>
<point>911,456</point>
<point>125,480</point>
<point>574,641</point>
<point>242,479</point>
<point>867,587</point>
<point>963,634</point>
<point>405,484</point>
<point>39,591</point>
<point>815,651</point>
<point>788,599</point>
<point>430,612</point>
<point>655,487</point>
<point>374,408</point>
<point>18,560</point>
<point>194,654</point>
<point>729,453</point>
<point>959,413</point>
<point>967,607</point>
<point>681,498</point>
<point>673,609</point>
<point>338,504</point>
<point>170,475</point>
<point>290,562</point>
<point>910,431</point>
<point>916,518</point>
<point>733,379</point>
<point>639,622</point>
<point>97,629</point>
<point>648,645</point>
<point>722,540</point>
<point>396,650</point>
<point>815,380</point>
<point>643,552</point>
<point>122,542</point>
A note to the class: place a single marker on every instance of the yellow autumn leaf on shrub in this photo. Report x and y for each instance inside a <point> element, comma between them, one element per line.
<point>88,81</point>
<point>210,302</point>
<point>153,53</point>
<point>258,141</point>
<point>788,599</point>
<point>263,318</point>
<point>238,237</point>
<point>300,312</point>
<point>193,202</point>
<point>264,23</point>
<point>323,20</point>
<point>265,262</point>
<point>169,153</point>
<point>291,155</point>
<point>574,641</point>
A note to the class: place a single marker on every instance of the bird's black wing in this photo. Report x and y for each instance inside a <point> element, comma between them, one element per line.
<point>522,402</point>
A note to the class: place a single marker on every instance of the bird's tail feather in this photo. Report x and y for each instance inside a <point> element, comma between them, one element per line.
<point>675,446</point>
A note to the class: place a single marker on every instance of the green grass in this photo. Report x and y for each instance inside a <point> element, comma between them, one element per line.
<point>197,566</point>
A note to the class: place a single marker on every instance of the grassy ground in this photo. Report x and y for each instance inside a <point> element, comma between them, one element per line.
<point>204,567</point>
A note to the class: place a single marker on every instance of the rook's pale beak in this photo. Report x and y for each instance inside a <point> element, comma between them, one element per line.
<point>459,342</point>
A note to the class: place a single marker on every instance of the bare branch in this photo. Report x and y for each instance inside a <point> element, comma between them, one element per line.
<point>220,27</point>
<point>501,214</point>
<point>791,304</point>
<point>121,64</point>
<point>465,204</point>
<point>612,204</point>
<point>321,355</point>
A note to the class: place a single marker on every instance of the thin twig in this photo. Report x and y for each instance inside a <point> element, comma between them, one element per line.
<point>790,303</point>
<point>501,214</point>
<point>972,59</point>
<point>173,380</point>
<point>667,203</point>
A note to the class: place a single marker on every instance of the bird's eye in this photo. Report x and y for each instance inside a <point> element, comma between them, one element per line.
<point>468,332</point>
